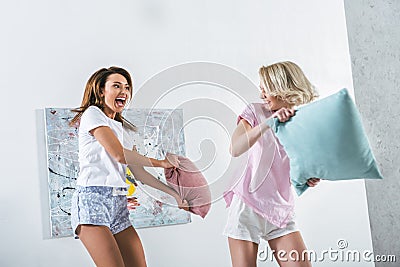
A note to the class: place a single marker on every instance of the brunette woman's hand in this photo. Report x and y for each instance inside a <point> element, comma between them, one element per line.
<point>313,182</point>
<point>170,161</point>
<point>182,204</point>
<point>284,114</point>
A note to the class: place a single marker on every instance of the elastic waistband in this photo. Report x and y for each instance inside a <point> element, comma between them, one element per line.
<point>104,190</point>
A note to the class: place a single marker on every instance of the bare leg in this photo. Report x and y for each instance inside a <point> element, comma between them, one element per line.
<point>131,248</point>
<point>292,244</point>
<point>243,253</point>
<point>101,245</point>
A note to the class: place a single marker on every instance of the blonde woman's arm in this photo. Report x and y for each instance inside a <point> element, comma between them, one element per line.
<point>245,135</point>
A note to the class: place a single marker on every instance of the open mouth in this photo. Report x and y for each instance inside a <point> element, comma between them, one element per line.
<point>120,101</point>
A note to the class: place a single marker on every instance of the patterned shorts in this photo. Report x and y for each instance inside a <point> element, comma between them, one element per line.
<point>99,205</point>
<point>245,224</point>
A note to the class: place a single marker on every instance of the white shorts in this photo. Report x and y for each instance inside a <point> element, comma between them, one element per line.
<point>245,224</point>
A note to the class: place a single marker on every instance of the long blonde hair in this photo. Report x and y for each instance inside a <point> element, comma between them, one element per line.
<point>93,91</point>
<point>286,81</point>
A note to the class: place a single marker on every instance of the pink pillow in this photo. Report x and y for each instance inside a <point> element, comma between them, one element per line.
<point>191,185</point>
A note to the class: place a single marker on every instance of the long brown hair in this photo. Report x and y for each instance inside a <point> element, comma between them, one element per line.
<point>93,91</point>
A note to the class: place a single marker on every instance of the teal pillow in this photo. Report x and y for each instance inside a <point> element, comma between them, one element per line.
<point>326,139</point>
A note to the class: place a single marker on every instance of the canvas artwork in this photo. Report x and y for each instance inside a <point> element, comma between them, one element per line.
<point>158,131</point>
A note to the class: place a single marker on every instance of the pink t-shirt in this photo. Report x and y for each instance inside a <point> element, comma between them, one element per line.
<point>264,184</point>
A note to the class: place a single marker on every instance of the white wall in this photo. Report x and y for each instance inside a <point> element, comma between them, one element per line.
<point>50,48</point>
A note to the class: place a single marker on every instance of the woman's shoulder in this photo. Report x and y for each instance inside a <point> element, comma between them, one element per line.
<point>249,107</point>
<point>259,109</point>
<point>93,108</point>
<point>255,105</point>
<point>93,111</point>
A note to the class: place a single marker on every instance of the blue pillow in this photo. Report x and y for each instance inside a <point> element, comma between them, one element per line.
<point>326,139</point>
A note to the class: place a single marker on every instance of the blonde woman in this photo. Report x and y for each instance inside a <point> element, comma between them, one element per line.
<point>262,201</point>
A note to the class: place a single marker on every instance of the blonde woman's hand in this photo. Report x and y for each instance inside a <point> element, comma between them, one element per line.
<point>284,114</point>
<point>313,182</point>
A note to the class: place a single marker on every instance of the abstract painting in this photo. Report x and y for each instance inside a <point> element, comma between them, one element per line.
<point>158,131</point>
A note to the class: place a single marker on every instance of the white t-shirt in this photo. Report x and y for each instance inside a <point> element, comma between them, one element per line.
<point>97,166</point>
